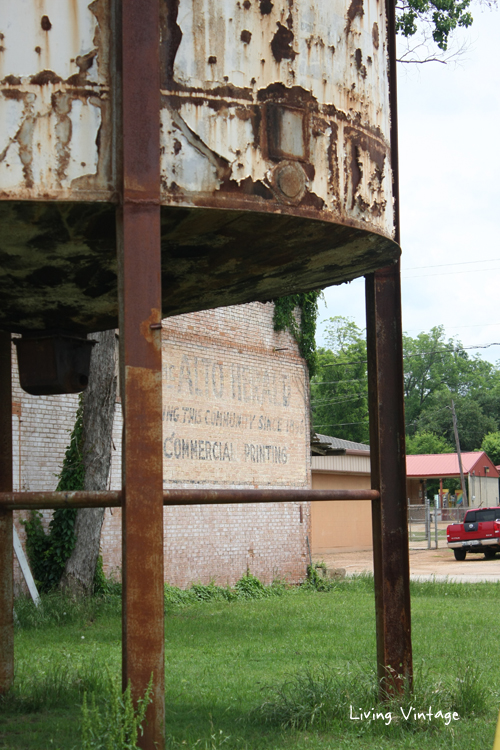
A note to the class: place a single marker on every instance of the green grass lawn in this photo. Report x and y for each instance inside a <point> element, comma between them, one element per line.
<point>302,654</point>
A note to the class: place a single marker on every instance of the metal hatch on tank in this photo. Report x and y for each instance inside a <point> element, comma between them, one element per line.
<point>275,160</point>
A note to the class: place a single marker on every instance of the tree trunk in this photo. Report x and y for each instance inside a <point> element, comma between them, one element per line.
<point>98,413</point>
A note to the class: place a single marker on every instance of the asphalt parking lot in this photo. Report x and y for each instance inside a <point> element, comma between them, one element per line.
<point>424,564</point>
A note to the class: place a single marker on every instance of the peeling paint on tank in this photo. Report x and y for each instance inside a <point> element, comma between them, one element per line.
<point>327,62</point>
<point>274,113</point>
<point>55,101</point>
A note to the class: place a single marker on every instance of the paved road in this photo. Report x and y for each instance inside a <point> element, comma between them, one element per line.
<point>424,565</point>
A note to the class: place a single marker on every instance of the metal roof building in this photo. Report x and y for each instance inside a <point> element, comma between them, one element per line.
<point>435,466</point>
<point>482,475</point>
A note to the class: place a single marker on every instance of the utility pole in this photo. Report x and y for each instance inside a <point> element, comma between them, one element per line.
<point>457,442</point>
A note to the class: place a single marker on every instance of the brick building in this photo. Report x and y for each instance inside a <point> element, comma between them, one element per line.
<point>235,414</point>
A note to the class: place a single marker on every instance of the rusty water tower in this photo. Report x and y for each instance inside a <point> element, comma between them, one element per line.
<point>158,158</point>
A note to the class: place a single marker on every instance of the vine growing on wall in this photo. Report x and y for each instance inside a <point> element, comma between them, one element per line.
<point>48,551</point>
<point>304,331</point>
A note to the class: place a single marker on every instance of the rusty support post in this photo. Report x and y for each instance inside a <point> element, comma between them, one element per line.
<point>387,452</point>
<point>139,256</point>
<point>6,540</point>
<point>387,441</point>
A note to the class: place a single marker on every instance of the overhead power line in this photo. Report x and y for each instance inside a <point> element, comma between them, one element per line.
<point>450,273</point>
<point>417,354</point>
<point>361,395</point>
<point>462,263</point>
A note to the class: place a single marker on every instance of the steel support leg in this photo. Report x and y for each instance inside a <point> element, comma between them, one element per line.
<point>6,541</point>
<point>140,360</point>
<point>387,451</point>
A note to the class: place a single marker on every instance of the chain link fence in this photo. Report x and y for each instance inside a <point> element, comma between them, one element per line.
<point>427,526</point>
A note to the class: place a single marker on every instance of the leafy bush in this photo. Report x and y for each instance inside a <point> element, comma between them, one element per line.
<point>48,553</point>
<point>316,581</point>
<point>248,587</point>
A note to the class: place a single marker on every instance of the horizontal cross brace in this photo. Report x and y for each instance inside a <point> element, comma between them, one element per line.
<point>50,500</point>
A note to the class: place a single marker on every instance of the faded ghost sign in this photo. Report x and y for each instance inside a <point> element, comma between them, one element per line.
<point>234,417</point>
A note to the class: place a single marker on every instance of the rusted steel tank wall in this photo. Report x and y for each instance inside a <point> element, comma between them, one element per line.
<point>273,106</point>
<point>56,122</point>
<point>278,106</point>
<point>273,112</point>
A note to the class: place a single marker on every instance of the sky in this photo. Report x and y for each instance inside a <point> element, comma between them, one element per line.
<point>450,197</point>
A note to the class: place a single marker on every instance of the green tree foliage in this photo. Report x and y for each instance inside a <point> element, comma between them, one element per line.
<point>427,442</point>
<point>491,446</point>
<point>48,552</point>
<point>339,394</point>
<point>436,369</point>
<point>430,364</point>
<point>440,17</point>
<point>473,424</point>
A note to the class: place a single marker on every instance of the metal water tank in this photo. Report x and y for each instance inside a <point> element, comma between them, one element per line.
<point>275,160</point>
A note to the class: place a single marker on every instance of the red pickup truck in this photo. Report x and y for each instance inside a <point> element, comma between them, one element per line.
<point>480,532</point>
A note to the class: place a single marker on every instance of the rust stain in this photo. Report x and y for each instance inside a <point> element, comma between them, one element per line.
<point>265,7</point>
<point>356,10</point>
<point>358,56</point>
<point>375,35</point>
<point>84,64</point>
<point>11,80</point>
<point>171,36</point>
<point>367,191</point>
<point>62,104</point>
<point>13,94</point>
<point>281,44</point>
<point>150,325</point>
<point>44,77</point>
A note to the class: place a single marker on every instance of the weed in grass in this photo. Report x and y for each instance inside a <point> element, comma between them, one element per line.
<point>56,682</point>
<point>470,693</point>
<point>349,700</point>
<point>314,698</point>
<point>57,608</point>
<point>117,725</point>
<point>216,740</point>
